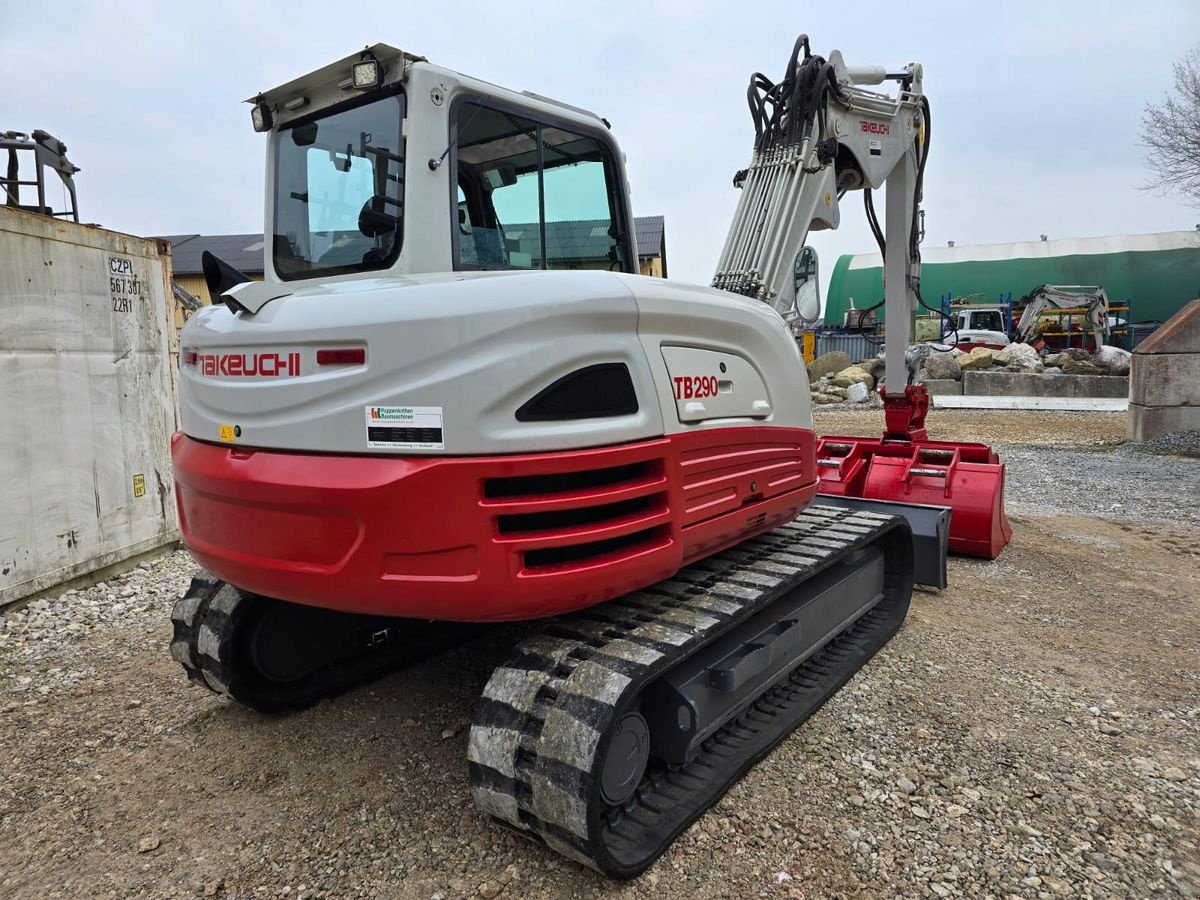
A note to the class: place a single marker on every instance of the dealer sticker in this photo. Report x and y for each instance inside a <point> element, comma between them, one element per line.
<point>404,428</point>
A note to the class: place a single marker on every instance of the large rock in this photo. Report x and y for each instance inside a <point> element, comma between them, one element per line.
<point>827,364</point>
<point>857,393</point>
<point>823,398</point>
<point>1018,357</point>
<point>872,366</point>
<point>835,391</point>
<point>941,367</point>
<point>979,358</point>
<point>1080,367</point>
<point>853,375</point>
<point>1054,359</point>
<point>1112,360</point>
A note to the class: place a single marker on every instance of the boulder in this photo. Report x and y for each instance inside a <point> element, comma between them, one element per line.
<point>834,390</point>
<point>823,398</point>
<point>1112,360</point>
<point>1018,357</point>
<point>1052,370</point>
<point>853,375</point>
<point>872,365</point>
<point>857,393</point>
<point>1078,353</point>
<point>1080,367</point>
<point>1054,359</point>
<point>827,364</point>
<point>979,358</point>
<point>942,366</point>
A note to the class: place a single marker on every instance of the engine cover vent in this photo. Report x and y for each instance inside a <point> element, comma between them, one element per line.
<point>592,392</point>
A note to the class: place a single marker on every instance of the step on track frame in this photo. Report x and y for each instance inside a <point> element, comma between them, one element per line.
<point>540,742</point>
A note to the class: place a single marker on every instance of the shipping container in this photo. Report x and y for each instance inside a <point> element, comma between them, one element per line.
<point>87,400</point>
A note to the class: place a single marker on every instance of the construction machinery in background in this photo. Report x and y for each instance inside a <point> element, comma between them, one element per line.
<point>1049,313</point>
<point>419,419</point>
<point>966,323</point>
<point>44,151</point>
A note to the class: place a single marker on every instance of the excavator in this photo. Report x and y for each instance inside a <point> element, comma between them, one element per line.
<point>1047,299</point>
<point>453,400</point>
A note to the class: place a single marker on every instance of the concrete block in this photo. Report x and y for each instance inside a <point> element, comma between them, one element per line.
<point>1165,379</point>
<point>1031,384</point>
<point>1180,334</point>
<point>1099,385</point>
<point>1148,422</point>
<point>938,387</point>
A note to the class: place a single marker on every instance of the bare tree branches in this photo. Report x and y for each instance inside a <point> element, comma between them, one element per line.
<point>1171,133</point>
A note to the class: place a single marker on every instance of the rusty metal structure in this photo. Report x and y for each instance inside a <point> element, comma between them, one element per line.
<point>45,151</point>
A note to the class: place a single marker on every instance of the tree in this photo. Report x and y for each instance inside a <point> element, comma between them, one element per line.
<point>1171,133</point>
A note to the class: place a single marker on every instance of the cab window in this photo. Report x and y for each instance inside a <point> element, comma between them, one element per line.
<point>533,196</point>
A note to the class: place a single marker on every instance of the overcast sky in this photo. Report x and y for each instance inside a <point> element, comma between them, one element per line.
<point>1036,106</point>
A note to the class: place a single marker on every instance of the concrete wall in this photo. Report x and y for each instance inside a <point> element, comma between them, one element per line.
<point>1164,392</point>
<point>87,400</point>
<point>1027,384</point>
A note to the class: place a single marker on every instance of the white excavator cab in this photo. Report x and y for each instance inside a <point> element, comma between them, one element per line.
<point>383,163</point>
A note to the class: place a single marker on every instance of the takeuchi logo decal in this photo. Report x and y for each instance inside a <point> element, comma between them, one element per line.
<point>247,365</point>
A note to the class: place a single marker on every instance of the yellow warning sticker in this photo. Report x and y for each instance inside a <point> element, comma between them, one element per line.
<point>227,432</point>
<point>139,485</point>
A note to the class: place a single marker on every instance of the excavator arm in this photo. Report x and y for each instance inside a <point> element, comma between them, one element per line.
<point>818,134</point>
<point>1058,296</point>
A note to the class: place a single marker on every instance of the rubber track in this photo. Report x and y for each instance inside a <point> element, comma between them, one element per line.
<point>538,740</point>
<point>209,618</point>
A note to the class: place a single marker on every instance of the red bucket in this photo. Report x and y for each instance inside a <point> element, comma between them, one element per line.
<point>968,478</point>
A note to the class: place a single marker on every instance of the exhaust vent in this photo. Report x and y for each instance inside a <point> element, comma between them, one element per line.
<point>592,392</point>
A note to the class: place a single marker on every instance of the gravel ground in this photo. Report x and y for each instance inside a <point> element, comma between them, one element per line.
<point>1033,731</point>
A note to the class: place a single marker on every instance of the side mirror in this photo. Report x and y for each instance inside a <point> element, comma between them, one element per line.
<point>807,306</point>
<point>219,276</point>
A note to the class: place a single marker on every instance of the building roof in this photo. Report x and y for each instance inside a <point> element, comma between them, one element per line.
<point>1045,249</point>
<point>567,241</point>
<point>1156,274</point>
<point>242,251</point>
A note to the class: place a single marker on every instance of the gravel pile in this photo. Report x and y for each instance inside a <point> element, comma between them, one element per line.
<point>36,632</point>
<point>1124,482</point>
<point>1177,443</point>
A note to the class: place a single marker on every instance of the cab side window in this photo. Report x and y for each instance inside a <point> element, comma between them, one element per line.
<point>533,196</point>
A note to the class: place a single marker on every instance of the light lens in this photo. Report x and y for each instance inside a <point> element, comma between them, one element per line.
<point>354,356</point>
<point>260,117</point>
<point>365,74</point>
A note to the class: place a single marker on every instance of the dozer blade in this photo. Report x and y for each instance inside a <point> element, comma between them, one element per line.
<point>930,532</point>
<point>966,477</point>
<point>615,728</point>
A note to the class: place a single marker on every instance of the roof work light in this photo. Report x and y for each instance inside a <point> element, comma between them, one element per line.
<point>260,115</point>
<point>367,73</point>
